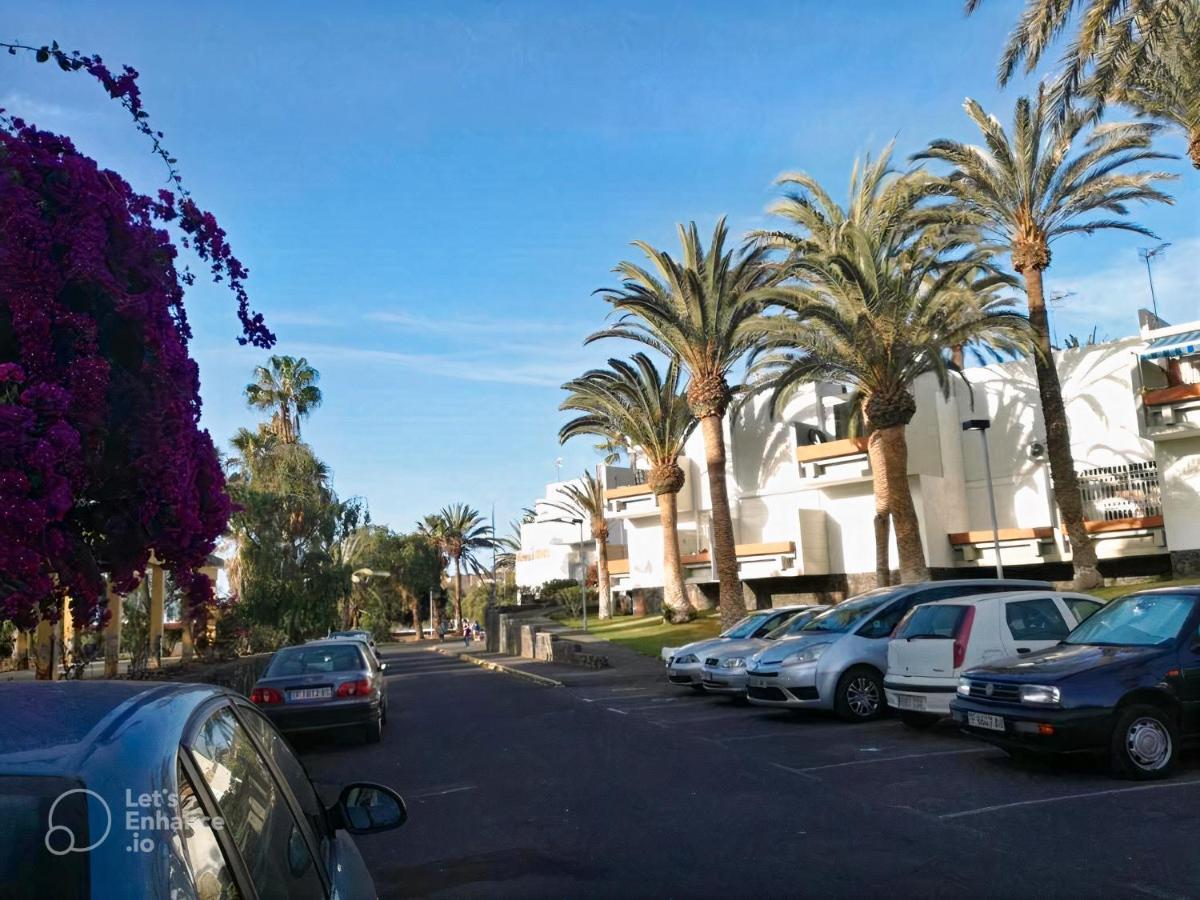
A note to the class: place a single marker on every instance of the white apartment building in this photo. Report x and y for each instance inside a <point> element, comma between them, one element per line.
<point>801,490</point>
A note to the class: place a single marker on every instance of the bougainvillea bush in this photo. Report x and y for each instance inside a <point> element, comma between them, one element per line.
<point>102,459</point>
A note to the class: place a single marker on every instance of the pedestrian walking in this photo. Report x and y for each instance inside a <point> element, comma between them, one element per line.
<point>466,630</point>
<point>442,631</point>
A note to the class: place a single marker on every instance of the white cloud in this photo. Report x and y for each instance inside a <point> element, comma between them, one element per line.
<point>23,106</point>
<point>299,318</point>
<point>499,368</point>
<point>470,325</point>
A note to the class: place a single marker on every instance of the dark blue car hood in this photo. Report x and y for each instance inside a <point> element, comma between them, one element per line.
<point>1064,661</point>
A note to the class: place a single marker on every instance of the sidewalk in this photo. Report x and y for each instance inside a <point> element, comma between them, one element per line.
<point>626,666</point>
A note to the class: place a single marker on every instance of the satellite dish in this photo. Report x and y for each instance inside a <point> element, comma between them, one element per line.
<point>816,436</point>
<point>1036,451</point>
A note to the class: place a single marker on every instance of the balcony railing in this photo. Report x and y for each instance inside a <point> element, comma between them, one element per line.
<point>1126,491</point>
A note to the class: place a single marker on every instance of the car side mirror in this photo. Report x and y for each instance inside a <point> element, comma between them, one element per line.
<point>365,808</point>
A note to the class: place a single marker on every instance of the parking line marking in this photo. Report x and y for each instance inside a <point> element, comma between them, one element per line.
<point>454,790</point>
<point>616,697</point>
<point>1042,800</point>
<point>731,714</point>
<point>808,729</point>
<point>881,759</point>
<point>619,712</point>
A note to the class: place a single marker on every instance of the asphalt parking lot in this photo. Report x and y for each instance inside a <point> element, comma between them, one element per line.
<point>649,790</point>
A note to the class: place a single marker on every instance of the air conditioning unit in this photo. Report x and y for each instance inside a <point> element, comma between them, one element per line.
<point>1036,451</point>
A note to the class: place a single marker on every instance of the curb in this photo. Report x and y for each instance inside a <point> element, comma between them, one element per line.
<point>500,667</point>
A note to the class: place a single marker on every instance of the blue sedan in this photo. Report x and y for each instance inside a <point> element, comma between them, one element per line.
<point>121,789</point>
<point>1126,681</point>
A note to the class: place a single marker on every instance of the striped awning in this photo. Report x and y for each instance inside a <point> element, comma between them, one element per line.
<point>1184,344</point>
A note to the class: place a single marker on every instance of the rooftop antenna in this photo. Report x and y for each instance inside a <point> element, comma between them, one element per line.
<point>1147,254</point>
<point>558,469</point>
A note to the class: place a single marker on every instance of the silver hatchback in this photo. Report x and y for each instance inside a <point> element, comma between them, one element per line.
<point>838,659</point>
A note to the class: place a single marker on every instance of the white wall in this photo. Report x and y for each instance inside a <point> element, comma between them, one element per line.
<point>1179,474</point>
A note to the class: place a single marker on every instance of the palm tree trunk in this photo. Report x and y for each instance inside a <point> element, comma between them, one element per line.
<point>675,605</point>
<point>1194,147</point>
<point>1058,438</point>
<point>892,450</point>
<point>416,611</point>
<point>879,484</point>
<point>602,585</point>
<point>458,590</point>
<point>731,603</point>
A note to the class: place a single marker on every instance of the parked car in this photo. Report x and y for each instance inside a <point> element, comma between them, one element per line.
<point>73,754</point>
<point>357,634</point>
<point>936,642</point>
<point>724,669</point>
<point>323,685</point>
<point>685,665</point>
<point>838,659</point>
<point>1126,682</point>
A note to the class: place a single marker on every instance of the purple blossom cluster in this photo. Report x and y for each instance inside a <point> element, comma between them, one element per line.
<point>101,455</point>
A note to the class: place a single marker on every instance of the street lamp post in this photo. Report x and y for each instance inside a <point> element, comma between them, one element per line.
<point>982,426</point>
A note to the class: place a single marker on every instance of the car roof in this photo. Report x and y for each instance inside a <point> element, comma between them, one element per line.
<point>1011,595</point>
<point>324,642</point>
<point>64,727</point>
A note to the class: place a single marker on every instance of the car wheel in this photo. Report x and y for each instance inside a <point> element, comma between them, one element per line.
<point>860,695</point>
<point>918,719</point>
<point>1145,743</point>
<point>375,730</point>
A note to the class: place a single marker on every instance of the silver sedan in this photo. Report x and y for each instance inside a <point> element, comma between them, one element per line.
<point>685,664</point>
<point>724,670</point>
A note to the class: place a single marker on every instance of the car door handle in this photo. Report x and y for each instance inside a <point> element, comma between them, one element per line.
<point>1022,649</point>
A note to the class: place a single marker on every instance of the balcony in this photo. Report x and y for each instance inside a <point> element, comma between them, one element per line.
<point>834,462</point>
<point>1170,375</point>
<point>754,561</point>
<point>635,500</point>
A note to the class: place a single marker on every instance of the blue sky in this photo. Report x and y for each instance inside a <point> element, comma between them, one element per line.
<point>427,197</point>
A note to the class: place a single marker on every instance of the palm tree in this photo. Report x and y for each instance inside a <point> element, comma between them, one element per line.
<point>462,532</point>
<point>703,312</point>
<point>876,319</point>
<point>288,388</point>
<point>586,500</point>
<point>634,401</point>
<point>1024,191</point>
<point>1164,84</point>
<point>1113,40</point>
<point>431,528</point>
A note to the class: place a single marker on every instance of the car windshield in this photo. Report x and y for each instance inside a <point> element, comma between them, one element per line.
<point>845,616</point>
<point>744,628</point>
<point>308,660</point>
<point>793,625</point>
<point>1139,620</point>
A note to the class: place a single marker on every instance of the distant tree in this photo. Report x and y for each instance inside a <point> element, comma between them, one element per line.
<point>461,533</point>
<point>701,310</point>
<point>287,388</point>
<point>586,501</point>
<point>634,401</point>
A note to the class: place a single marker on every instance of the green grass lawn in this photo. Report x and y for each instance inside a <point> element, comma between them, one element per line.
<point>649,634</point>
<point>1120,590</point>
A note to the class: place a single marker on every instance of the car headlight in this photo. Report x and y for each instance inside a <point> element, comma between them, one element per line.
<point>964,687</point>
<point>687,658</point>
<point>1040,695</point>
<point>734,662</point>
<point>807,655</point>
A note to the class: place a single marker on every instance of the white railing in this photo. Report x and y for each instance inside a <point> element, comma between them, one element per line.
<point>1126,491</point>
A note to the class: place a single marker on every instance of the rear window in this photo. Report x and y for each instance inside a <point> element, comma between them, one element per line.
<point>307,660</point>
<point>27,867</point>
<point>932,622</point>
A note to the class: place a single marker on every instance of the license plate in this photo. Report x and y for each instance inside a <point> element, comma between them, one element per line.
<point>982,720</point>
<point>311,694</point>
<point>908,701</point>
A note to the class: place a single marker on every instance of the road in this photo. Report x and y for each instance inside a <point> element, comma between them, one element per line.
<point>519,790</point>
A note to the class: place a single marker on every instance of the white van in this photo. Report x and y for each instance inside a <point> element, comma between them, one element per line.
<point>936,642</point>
